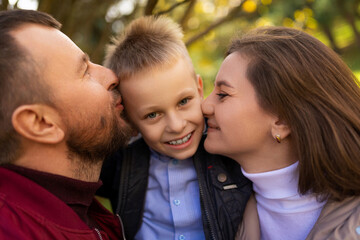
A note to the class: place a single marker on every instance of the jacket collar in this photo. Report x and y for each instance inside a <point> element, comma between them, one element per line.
<point>33,198</point>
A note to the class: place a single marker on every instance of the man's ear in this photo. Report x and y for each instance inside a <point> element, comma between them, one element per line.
<point>280,128</point>
<point>39,123</point>
<point>200,85</point>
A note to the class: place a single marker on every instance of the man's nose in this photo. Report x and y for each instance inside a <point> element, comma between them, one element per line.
<point>106,77</point>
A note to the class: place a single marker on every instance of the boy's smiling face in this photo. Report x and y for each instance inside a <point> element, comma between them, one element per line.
<point>164,105</point>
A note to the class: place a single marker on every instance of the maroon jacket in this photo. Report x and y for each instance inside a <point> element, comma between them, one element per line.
<point>28,211</point>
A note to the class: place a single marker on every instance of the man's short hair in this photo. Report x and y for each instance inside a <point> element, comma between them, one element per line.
<point>20,76</point>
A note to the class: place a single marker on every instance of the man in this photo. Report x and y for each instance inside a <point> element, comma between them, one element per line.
<point>59,118</point>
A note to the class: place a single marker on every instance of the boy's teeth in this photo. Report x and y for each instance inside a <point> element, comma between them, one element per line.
<point>181,141</point>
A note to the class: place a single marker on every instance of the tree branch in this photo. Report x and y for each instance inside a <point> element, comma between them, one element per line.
<point>187,13</point>
<point>172,7</point>
<point>234,13</point>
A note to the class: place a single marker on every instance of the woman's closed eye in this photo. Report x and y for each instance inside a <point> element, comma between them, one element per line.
<point>222,95</point>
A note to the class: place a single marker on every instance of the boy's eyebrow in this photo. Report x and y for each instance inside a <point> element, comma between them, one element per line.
<point>223,83</point>
<point>153,107</point>
<point>144,109</point>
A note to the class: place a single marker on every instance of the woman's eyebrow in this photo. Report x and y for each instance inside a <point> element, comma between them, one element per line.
<point>223,83</point>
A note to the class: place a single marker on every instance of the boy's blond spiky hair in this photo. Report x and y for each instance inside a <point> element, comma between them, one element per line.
<point>147,42</point>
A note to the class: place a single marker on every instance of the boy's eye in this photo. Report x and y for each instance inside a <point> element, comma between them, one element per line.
<point>222,95</point>
<point>184,101</point>
<point>152,115</point>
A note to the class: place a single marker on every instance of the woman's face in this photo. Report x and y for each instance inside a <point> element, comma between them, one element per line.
<point>237,126</point>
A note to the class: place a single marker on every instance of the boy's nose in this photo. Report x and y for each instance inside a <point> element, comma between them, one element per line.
<point>175,123</point>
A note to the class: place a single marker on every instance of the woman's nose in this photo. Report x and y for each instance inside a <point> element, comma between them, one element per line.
<point>207,107</point>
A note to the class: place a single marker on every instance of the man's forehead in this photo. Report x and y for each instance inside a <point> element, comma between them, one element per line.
<point>43,40</point>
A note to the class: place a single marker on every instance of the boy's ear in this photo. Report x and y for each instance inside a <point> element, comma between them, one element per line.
<point>281,128</point>
<point>39,123</point>
<point>200,85</point>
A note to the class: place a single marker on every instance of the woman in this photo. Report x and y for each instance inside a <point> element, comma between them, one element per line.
<point>287,109</point>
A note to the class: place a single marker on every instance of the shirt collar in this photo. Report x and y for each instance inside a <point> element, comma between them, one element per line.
<point>164,158</point>
<point>280,183</point>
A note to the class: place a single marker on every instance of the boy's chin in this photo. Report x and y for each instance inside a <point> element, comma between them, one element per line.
<point>181,155</point>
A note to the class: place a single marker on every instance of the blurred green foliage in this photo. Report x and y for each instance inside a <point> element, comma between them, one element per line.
<point>208,24</point>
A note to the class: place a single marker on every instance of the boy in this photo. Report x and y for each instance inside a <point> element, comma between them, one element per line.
<point>164,185</point>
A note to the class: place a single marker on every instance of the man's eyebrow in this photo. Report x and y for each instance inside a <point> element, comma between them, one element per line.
<point>223,83</point>
<point>84,60</point>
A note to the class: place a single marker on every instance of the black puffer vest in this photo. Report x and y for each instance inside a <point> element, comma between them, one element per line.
<point>224,191</point>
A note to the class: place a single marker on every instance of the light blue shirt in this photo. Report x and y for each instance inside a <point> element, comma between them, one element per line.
<point>172,206</point>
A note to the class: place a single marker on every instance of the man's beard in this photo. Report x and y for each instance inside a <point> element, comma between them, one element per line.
<point>95,145</point>
<point>92,144</point>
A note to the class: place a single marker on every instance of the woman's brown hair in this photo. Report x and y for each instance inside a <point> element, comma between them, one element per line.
<point>310,88</point>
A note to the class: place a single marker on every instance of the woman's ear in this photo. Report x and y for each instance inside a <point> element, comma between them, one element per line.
<point>280,130</point>
<point>39,123</point>
<point>200,85</point>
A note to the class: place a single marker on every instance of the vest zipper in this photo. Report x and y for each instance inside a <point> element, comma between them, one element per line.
<point>203,200</point>
<point>98,232</point>
<point>207,214</point>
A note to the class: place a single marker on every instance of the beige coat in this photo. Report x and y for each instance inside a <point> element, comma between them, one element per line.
<point>338,221</point>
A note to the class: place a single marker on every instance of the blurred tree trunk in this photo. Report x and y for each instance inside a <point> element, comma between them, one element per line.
<point>98,53</point>
<point>349,16</point>
<point>4,5</point>
<point>355,7</point>
<point>187,15</point>
<point>327,30</point>
<point>151,4</point>
<point>84,22</point>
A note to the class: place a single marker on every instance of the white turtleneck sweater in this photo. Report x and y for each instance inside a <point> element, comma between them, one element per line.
<point>283,213</point>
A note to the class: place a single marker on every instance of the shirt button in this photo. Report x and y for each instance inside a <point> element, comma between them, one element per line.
<point>177,202</point>
<point>358,230</point>
<point>175,161</point>
<point>181,237</point>
<point>222,177</point>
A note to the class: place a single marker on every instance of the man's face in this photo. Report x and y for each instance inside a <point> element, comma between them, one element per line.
<point>84,93</point>
<point>164,105</point>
